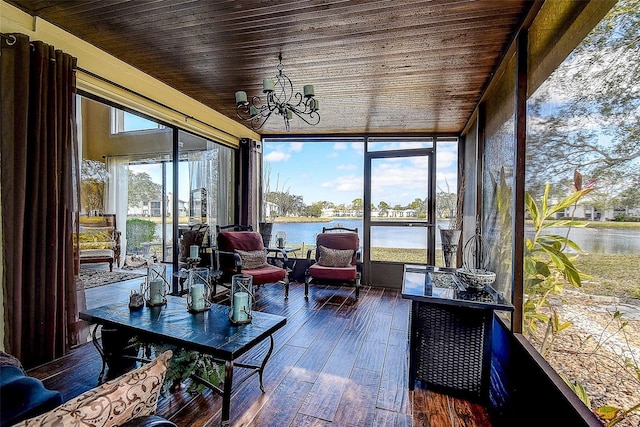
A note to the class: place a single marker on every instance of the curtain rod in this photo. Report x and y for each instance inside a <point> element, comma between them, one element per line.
<point>186,116</point>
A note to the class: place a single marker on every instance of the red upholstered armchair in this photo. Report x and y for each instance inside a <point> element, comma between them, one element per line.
<point>337,258</point>
<point>244,252</point>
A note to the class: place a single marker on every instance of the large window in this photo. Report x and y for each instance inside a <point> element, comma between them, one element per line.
<point>309,184</point>
<point>129,170</point>
<point>583,152</point>
<point>313,183</point>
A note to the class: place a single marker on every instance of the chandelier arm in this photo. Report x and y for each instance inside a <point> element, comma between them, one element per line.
<point>256,120</point>
<point>314,116</point>
<point>285,89</point>
<point>299,98</point>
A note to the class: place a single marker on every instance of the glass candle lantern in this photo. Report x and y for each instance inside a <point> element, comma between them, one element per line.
<point>156,286</point>
<point>199,292</point>
<point>241,298</point>
<point>281,239</point>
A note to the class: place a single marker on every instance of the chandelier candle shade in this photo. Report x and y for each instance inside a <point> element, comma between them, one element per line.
<point>280,99</point>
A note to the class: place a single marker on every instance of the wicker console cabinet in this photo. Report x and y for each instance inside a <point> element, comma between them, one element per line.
<point>450,331</point>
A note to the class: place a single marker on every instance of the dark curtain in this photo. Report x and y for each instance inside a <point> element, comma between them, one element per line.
<point>38,163</point>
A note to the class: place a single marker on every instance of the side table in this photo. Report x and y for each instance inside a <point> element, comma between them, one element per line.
<point>284,261</point>
<point>450,331</point>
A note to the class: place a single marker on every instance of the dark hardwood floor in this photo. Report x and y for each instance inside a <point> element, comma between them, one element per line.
<point>337,362</point>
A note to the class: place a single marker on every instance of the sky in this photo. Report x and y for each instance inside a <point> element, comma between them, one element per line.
<point>333,171</point>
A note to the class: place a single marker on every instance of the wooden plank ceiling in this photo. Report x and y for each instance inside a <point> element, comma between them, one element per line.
<point>377,66</point>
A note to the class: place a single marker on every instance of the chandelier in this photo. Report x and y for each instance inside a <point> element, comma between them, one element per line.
<point>280,99</point>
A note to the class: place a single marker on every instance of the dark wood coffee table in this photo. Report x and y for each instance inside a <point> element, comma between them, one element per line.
<point>209,332</point>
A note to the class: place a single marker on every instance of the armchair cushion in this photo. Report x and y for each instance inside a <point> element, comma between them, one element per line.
<point>266,274</point>
<point>321,272</point>
<point>341,241</point>
<point>253,259</point>
<point>240,240</point>
<point>115,402</point>
<point>334,257</point>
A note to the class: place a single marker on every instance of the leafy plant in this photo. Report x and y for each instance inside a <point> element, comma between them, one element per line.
<point>611,414</point>
<point>547,267</point>
<point>139,231</point>
<point>185,364</point>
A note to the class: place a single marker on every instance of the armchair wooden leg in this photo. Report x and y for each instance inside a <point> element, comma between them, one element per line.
<point>358,286</point>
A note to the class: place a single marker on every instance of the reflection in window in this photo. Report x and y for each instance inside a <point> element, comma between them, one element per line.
<point>122,121</point>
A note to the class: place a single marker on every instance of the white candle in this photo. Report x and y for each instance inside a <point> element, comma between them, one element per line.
<point>241,306</point>
<point>308,90</point>
<point>267,85</point>
<point>155,291</point>
<point>193,251</point>
<point>197,296</point>
<point>241,97</point>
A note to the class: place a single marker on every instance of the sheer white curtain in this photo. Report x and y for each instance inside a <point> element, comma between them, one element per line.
<point>117,196</point>
<point>211,170</point>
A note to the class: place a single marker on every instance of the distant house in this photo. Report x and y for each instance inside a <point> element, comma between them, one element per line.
<point>271,210</point>
<point>153,208</point>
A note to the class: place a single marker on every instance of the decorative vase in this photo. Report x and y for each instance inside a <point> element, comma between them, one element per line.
<point>265,232</point>
<point>449,238</point>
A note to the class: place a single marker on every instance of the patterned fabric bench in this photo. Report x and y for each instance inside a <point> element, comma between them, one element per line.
<point>99,240</point>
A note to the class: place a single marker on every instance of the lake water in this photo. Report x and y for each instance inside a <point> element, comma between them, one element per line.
<point>593,240</point>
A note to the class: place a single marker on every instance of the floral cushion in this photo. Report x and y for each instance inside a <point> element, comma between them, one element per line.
<point>131,395</point>
<point>96,234</point>
<point>253,259</point>
<point>334,257</point>
<point>97,245</point>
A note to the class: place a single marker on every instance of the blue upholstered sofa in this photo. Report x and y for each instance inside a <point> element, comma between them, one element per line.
<point>21,396</point>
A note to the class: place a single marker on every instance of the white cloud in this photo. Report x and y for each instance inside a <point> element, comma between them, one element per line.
<point>346,167</point>
<point>446,159</point>
<point>340,146</point>
<point>347,183</point>
<point>296,146</point>
<point>277,156</point>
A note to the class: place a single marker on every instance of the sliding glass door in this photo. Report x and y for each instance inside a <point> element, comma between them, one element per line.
<point>398,214</point>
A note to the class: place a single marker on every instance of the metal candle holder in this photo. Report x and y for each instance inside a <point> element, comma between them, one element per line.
<point>199,295</point>
<point>241,299</point>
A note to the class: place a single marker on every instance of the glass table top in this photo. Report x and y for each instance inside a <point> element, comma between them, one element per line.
<point>441,285</point>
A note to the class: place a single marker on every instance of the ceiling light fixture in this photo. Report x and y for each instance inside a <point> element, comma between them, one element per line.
<point>279,94</point>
